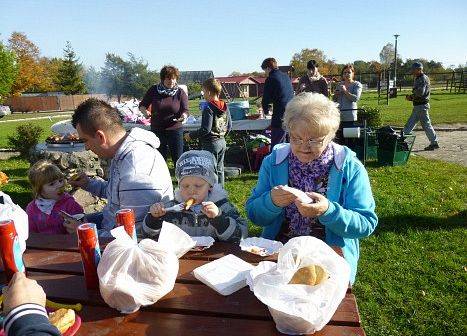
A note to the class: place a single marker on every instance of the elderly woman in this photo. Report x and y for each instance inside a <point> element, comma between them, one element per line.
<point>343,208</point>
<point>169,108</point>
<point>347,94</point>
<point>313,81</point>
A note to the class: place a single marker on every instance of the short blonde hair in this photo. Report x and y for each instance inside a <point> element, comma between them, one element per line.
<point>43,172</point>
<point>212,86</point>
<point>314,109</point>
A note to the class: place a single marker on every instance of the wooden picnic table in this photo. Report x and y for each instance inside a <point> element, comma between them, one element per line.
<point>191,308</point>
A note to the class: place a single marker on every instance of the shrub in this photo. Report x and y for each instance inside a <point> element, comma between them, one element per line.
<point>372,115</point>
<point>26,137</point>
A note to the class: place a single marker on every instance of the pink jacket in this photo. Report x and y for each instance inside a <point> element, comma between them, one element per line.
<point>52,224</point>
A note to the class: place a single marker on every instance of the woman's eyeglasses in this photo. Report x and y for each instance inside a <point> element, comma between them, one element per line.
<point>313,143</point>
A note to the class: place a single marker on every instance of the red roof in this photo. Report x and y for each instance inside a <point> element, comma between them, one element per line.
<point>259,80</point>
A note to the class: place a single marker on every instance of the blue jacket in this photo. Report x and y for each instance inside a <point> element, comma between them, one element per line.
<point>29,319</point>
<point>351,213</point>
<point>278,91</point>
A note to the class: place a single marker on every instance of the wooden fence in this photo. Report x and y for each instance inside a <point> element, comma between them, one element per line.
<point>49,103</point>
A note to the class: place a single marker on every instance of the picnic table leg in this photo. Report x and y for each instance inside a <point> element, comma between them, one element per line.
<point>246,150</point>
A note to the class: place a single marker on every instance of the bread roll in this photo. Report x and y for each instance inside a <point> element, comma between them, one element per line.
<point>309,275</point>
<point>63,319</point>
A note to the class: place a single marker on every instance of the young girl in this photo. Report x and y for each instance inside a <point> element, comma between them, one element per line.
<point>216,123</point>
<point>209,212</point>
<point>50,198</point>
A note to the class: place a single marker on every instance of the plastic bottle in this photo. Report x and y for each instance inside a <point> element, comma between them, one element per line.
<point>88,245</point>
<point>10,249</point>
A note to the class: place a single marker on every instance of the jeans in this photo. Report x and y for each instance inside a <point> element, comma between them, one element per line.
<point>171,140</point>
<point>217,148</point>
<point>277,136</point>
<point>420,113</point>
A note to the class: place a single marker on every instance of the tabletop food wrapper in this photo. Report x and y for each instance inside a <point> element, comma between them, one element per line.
<point>133,274</point>
<point>225,275</point>
<point>10,210</point>
<point>301,309</point>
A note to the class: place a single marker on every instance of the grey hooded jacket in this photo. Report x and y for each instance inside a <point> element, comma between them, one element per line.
<point>138,178</point>
<point>227,226</point>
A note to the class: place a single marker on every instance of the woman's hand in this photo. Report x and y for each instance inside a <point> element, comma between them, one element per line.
<point>71,225</point>
<point>281,197</point>
<point>210,209</point>
<point>317,208</point>
<point>187,137</point>
<point>157,210</point>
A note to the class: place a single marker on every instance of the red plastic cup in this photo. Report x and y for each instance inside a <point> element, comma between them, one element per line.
<point>10,249</point>
<point>88,244</point>
<point>126,217</point>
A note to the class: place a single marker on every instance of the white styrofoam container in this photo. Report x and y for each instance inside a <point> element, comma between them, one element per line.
<point>225,275</point>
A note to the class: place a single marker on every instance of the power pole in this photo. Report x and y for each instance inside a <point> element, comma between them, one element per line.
<point>395,62</point>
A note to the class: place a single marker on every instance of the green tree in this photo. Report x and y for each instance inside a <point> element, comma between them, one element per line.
<point>50,73</point>
<point>70,73</point>
<point>9,71</point>
<point>93,80</point>
<point>299,60</point>
<point>113,74</point>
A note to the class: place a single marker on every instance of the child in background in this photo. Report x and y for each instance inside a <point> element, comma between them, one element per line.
<point>215,124</point>
<point>211,213</point>
<point>50,198</point>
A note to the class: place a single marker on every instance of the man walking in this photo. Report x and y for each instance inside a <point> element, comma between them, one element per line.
<point>278,90</point>
<point>420,97</point>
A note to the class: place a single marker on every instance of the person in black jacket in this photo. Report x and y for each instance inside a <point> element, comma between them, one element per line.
<point>278,91</point>
<point>24,304</point>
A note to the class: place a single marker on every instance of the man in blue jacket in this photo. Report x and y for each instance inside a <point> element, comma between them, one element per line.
<point>278,91</point>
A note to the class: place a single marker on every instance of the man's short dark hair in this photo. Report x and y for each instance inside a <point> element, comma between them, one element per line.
<point>312,64</point>
<point>94,114</point>
<point>270,63</point>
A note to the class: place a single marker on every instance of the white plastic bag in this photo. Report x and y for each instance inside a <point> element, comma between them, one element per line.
<point>10,210</point>
<point>301,309</point>
<point>132,275</point>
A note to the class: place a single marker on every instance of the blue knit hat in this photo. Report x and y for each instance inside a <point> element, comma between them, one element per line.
<point>198,163</point>
<point>417,65</point>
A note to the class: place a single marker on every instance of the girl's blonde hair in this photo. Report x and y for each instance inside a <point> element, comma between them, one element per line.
<point>43,172</point>
<point>212,86</point>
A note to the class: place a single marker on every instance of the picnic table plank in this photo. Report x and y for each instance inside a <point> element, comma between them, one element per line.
<point>218,250</point>
<point>70,263</point>
<point>188,299</point>
<point>102,321</point>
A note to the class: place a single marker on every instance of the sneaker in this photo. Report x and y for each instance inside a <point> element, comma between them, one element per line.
<point>432,147</point>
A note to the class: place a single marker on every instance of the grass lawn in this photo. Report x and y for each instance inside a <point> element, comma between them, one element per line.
<point>9,128</point>
<point>446,108</point>
<point>412,277</point>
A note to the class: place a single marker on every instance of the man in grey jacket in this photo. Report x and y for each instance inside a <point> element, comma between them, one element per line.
<point>420,98</point>
<point>138,174</point>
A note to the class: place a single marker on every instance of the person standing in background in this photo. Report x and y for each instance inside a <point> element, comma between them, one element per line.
<point>169,109</point>
<point>278,91</point>
<point>420,98</point>
<point>347,95</point>
<point>313,81</point>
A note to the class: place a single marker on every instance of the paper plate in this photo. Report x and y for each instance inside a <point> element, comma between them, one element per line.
<point>260,246</point>
<point>202,243</point>
<point>70,332</point>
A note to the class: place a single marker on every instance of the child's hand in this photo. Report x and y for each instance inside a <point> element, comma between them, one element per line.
<point>210,209</point>
<point>71,225</point>
<point>157,210</point>
<point>80,181</point>
<point>186,136</point>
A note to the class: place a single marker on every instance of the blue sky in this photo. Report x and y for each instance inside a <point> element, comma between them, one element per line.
<point>237,35</point>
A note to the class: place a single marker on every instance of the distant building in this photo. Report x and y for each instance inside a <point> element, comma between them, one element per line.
<point>194,76</point>
<point>245,86</point>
